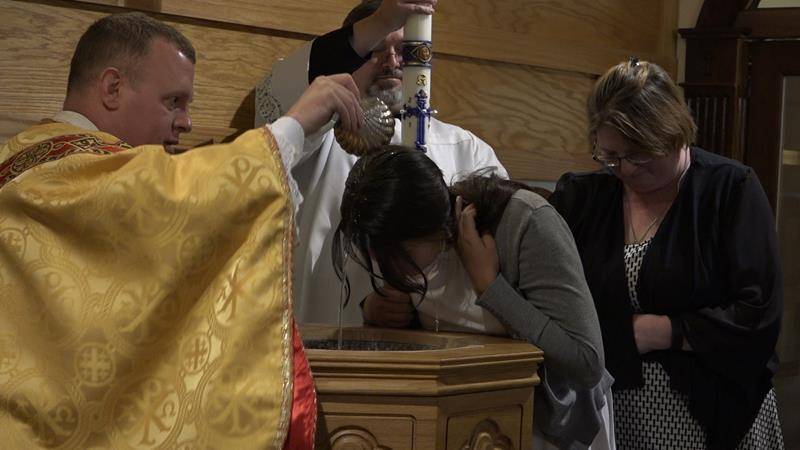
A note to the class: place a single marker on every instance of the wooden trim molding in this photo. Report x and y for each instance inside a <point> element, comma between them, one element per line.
<point>722,13</point>
<point>772,23</point>
<point>715,87</point>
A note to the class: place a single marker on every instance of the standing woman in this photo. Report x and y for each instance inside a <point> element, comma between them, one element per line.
<point>680,253</point>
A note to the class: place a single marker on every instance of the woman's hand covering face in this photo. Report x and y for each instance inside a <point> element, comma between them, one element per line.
<point>478,252</point>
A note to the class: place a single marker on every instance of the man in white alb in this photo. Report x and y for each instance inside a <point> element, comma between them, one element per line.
<point>369,46</point>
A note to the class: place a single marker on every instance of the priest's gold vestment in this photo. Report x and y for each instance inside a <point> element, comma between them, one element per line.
<point>144,297</point>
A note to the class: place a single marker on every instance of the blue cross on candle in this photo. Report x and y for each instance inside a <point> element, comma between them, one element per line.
<point>421,113</point>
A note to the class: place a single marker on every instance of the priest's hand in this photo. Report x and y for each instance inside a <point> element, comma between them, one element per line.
<point>652,332</point>
<point>390,16</point>
<point>393,14</point>
<point>325,96</point>
<point>393,310</point>
<point>478,252</point>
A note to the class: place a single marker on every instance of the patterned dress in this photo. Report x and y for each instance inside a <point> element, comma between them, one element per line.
<point>658,417</point>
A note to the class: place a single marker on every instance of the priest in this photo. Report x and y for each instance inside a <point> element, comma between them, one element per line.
<point>145,297</point>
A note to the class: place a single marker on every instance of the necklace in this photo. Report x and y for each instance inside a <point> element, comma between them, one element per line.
<point>637,240</point>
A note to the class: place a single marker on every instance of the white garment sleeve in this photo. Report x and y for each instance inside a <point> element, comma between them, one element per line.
<point>280,89</point>
<point>290,138</point>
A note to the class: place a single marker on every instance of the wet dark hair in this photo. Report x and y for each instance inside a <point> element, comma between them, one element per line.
<point>390,197</point>
<point>399,194</point>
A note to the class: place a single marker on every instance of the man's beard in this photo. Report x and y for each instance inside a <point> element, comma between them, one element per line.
<point>393,97</point>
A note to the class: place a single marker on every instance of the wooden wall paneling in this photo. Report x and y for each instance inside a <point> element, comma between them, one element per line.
<point>581,35</point>
<point>669,36</point>
<point>34,62</point>
<point>308,17</point>
<point>533,116</point>
<point>38,41</point>
<point>538,135</point>
<point>230,64</point>
<point>535,119</point>
<point>146,5</point>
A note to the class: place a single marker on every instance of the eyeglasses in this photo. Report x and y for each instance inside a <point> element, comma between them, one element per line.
<point>637,159</point>
<point>395,52</point>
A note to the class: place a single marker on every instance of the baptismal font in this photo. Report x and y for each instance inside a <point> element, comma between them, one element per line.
<point>421,389</point>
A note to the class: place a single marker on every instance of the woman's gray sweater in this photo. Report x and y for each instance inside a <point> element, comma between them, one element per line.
<point>541,296</point>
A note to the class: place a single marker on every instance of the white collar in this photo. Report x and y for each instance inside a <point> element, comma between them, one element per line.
<point>74,118</point>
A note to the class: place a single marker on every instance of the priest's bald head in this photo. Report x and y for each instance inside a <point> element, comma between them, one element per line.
<point>133,77</point>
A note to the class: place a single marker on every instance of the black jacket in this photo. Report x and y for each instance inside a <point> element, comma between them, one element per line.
<point>713,266</point>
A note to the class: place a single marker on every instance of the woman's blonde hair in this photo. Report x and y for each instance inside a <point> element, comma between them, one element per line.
<point>640,100</point>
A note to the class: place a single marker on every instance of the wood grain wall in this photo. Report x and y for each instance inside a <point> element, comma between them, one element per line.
<point>515,72</point>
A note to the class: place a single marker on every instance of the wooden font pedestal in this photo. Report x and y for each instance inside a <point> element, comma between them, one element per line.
<point>463,391</point>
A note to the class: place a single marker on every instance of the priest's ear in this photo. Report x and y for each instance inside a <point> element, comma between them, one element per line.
<point>111,88</point>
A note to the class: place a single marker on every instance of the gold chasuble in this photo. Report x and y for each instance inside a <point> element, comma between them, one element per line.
<point>145,297</point>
